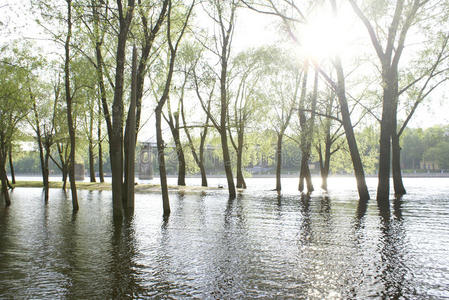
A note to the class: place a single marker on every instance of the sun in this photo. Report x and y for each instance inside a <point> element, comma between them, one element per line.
<point>324,36</point>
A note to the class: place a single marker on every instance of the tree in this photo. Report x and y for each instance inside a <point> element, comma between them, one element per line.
<point>389,49</point>
<point>282,90</point>
<point>224,18</point>
<point>328,136</point>
<point>14,108</point>
<point>417,88</point>
<point>307,126</point>
<point>173,49</point>
<point>115,129</point>
<point>43,124</point>
<point>149,33</point>
<point>298,17</point>
<point>69,98</point>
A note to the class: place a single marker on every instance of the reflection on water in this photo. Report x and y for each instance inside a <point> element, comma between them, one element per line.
<point>258,245</point>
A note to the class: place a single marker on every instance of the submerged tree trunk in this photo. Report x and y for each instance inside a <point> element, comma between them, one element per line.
<point>279,161</point>
<point>306,133</point>
<point>64,178</point>
<point>240,179</point>
<point>386,130</point>
<point>173,122</point>
<point>116,132</point>
<point>42,160</point>
<point>349,132</point>
<point>68,96</point>
<point>91,144</point>
<point>199,158</point>
<point>4,178</point>
<point>399,188</point>
<point>11,165</point>
<point>223,124</point>
<point>201,162</point>
<point>100,161</point>
<point>91,161</point>
<point>46,172</point>
<point>181,159</point>
<point>130,139</point>
<point>161,159</point>
<point>325,162</point>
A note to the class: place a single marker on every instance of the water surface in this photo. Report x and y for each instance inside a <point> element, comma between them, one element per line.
<point>258,245</point>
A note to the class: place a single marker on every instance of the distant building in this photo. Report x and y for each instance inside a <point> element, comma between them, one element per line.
<point>429,165</point>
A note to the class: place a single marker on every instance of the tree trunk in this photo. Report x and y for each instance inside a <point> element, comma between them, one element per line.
<point>116,132</point>
<point>64,176</point>
<point>11,166</point>
<point>199,159</point>
<point>130,139</point>
<point>45,173</point>
<point>100,148</point>
<point>68,96</point>
<point>181,160</point>
<point>161,158</point>
<point>386,130</point>
<point>279,161</point>
<point>223,131</point>
<point>306,133</point>
<point>100,162</point>
<point>240,179</point>
<point>326,166</point>
<point>42,160</point>
<point>349,132</point>
<point>4,178</point>
<point>399,188</point>
<point>91,161</point>
<point>304,174</point>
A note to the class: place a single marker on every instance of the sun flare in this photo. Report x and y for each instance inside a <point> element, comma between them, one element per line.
<point>324,35</point>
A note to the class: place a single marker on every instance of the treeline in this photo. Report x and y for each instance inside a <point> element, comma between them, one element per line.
<point>121,65</point>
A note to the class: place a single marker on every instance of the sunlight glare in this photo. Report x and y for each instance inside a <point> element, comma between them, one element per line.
<point>324,36</point>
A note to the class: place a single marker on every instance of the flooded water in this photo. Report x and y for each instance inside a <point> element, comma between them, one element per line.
<point>256,246</point>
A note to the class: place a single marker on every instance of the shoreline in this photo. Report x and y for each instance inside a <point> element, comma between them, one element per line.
<point>106,186</point>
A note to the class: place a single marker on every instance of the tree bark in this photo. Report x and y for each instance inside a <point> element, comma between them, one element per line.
<point>100,148</point>
<point>91,161</point>
<point>130,139</point>
<point>173,123</point>
<point>307,127</point>
<point>349,132</point>
<point>399,189</point>
<point>4,178</point>
<point>223,124</point>
<point>11,165</point>
<point>201,162</point>
<point>161,159</point>
<point>45,172</point>
<point>91,143</point>
<point>116,134</point>
<point>279,161</point>
<point>398,184</point>
<point>199,158</point>
<point>181,158</point>
<point>68,96</point>
<point>240,179</point>
<point>40,145</point>
<point>386,130</point>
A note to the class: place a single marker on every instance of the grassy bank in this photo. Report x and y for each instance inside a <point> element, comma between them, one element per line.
<point>97,186</point>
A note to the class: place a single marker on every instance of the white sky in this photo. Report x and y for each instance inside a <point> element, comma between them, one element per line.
<point>252,30</point>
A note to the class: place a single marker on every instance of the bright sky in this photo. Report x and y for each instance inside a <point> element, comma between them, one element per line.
<point>346,37</point>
